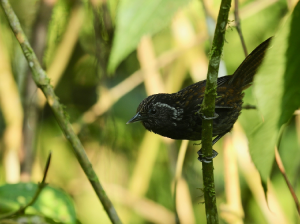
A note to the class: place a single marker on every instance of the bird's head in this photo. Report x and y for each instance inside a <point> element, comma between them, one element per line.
<point>157,112</point>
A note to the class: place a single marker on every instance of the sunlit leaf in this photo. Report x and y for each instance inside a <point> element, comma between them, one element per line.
<point>136,18</point>
<point>277,91</point>
<point>52,202</point>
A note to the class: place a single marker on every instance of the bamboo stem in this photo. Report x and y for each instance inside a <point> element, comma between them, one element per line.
<point>43,82</point>
<point>208,110</point>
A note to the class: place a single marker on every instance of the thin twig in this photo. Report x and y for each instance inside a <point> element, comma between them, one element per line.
<point>282,170</point>
<point>41,186</point>
<point>208,108</point>
<point>238,25</point>
<point>43,82</point>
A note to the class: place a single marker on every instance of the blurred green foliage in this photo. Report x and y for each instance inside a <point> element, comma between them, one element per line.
<point>52,203</point>
<point>279,72</point>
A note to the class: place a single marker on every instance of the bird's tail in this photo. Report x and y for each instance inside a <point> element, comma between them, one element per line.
<point>243,76</point>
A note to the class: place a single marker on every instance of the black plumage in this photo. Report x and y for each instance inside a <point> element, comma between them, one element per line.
<point>176,115</point>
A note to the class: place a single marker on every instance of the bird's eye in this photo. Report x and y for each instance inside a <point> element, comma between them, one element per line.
<point>152,111</point>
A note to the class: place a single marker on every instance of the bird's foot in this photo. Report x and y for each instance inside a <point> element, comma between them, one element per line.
<point>248,107</point>
<point>223,107</point>
<point>206,159</point>
<point>210,118</point>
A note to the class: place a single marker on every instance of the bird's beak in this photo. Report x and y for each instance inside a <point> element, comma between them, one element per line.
<point>137,117</point>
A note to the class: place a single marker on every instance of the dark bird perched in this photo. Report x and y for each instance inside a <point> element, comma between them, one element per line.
<point>177,115</point>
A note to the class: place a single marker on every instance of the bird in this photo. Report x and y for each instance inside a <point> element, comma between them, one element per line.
<point>178,115</point>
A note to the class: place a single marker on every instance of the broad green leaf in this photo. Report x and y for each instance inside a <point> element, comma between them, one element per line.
<point>52,203</point>
<point>291,92</point>
<point>136,18</point>
<point>276,88</point>
<point>29,219</point>
<point>289,151</point>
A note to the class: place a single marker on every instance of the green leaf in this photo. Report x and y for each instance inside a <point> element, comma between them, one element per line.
<point>289,151</point>
<point>52,202</point>
<point>29,219</point>
<point>276,88</point>
<point>137,18</point>
<point>291,93</point>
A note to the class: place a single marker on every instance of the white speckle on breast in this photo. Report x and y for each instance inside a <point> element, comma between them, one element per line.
<point>177,112</point>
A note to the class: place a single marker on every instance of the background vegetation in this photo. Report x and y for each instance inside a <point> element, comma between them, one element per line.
<point>148,47</point>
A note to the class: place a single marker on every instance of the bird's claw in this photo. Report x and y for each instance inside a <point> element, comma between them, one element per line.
<point>248,107</point>
<point>210,118</point>
<point>206,159</point>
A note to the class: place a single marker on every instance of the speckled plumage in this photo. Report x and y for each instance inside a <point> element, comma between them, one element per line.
<point>175,115</point>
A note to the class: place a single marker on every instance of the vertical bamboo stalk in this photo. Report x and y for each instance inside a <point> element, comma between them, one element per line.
<point>43,82</point>
<point>208,110</point>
